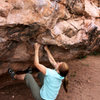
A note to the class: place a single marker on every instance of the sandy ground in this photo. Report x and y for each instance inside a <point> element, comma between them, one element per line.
<point>84,83</point>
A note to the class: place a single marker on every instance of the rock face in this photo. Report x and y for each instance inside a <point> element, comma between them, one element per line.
<point>70,28</point>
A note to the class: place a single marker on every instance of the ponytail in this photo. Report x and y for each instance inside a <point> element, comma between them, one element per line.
<point>65,84</point>
<point>63,71</point>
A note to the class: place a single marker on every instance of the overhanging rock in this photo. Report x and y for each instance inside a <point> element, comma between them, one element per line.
<point>70,28</point>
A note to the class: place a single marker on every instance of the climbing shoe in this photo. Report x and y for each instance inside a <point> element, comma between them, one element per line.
<point>12,73</point>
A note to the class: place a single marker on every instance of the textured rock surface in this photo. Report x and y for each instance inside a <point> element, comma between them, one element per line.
<point>70,28</point>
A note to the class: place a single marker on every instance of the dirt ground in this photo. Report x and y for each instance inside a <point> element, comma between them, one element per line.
<point>84,83</point>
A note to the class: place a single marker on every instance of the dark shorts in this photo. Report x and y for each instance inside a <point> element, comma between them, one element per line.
<point>32,84</point>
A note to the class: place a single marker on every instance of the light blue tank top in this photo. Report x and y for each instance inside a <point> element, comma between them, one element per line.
<point>51,86</point>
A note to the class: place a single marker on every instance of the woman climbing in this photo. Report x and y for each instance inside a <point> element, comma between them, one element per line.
<point>51,79</point>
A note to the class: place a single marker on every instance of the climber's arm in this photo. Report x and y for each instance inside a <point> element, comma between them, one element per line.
<point>41,67</point>
<point>50,57</point>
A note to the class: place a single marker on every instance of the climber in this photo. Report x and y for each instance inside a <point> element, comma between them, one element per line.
<point>51,79</point>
